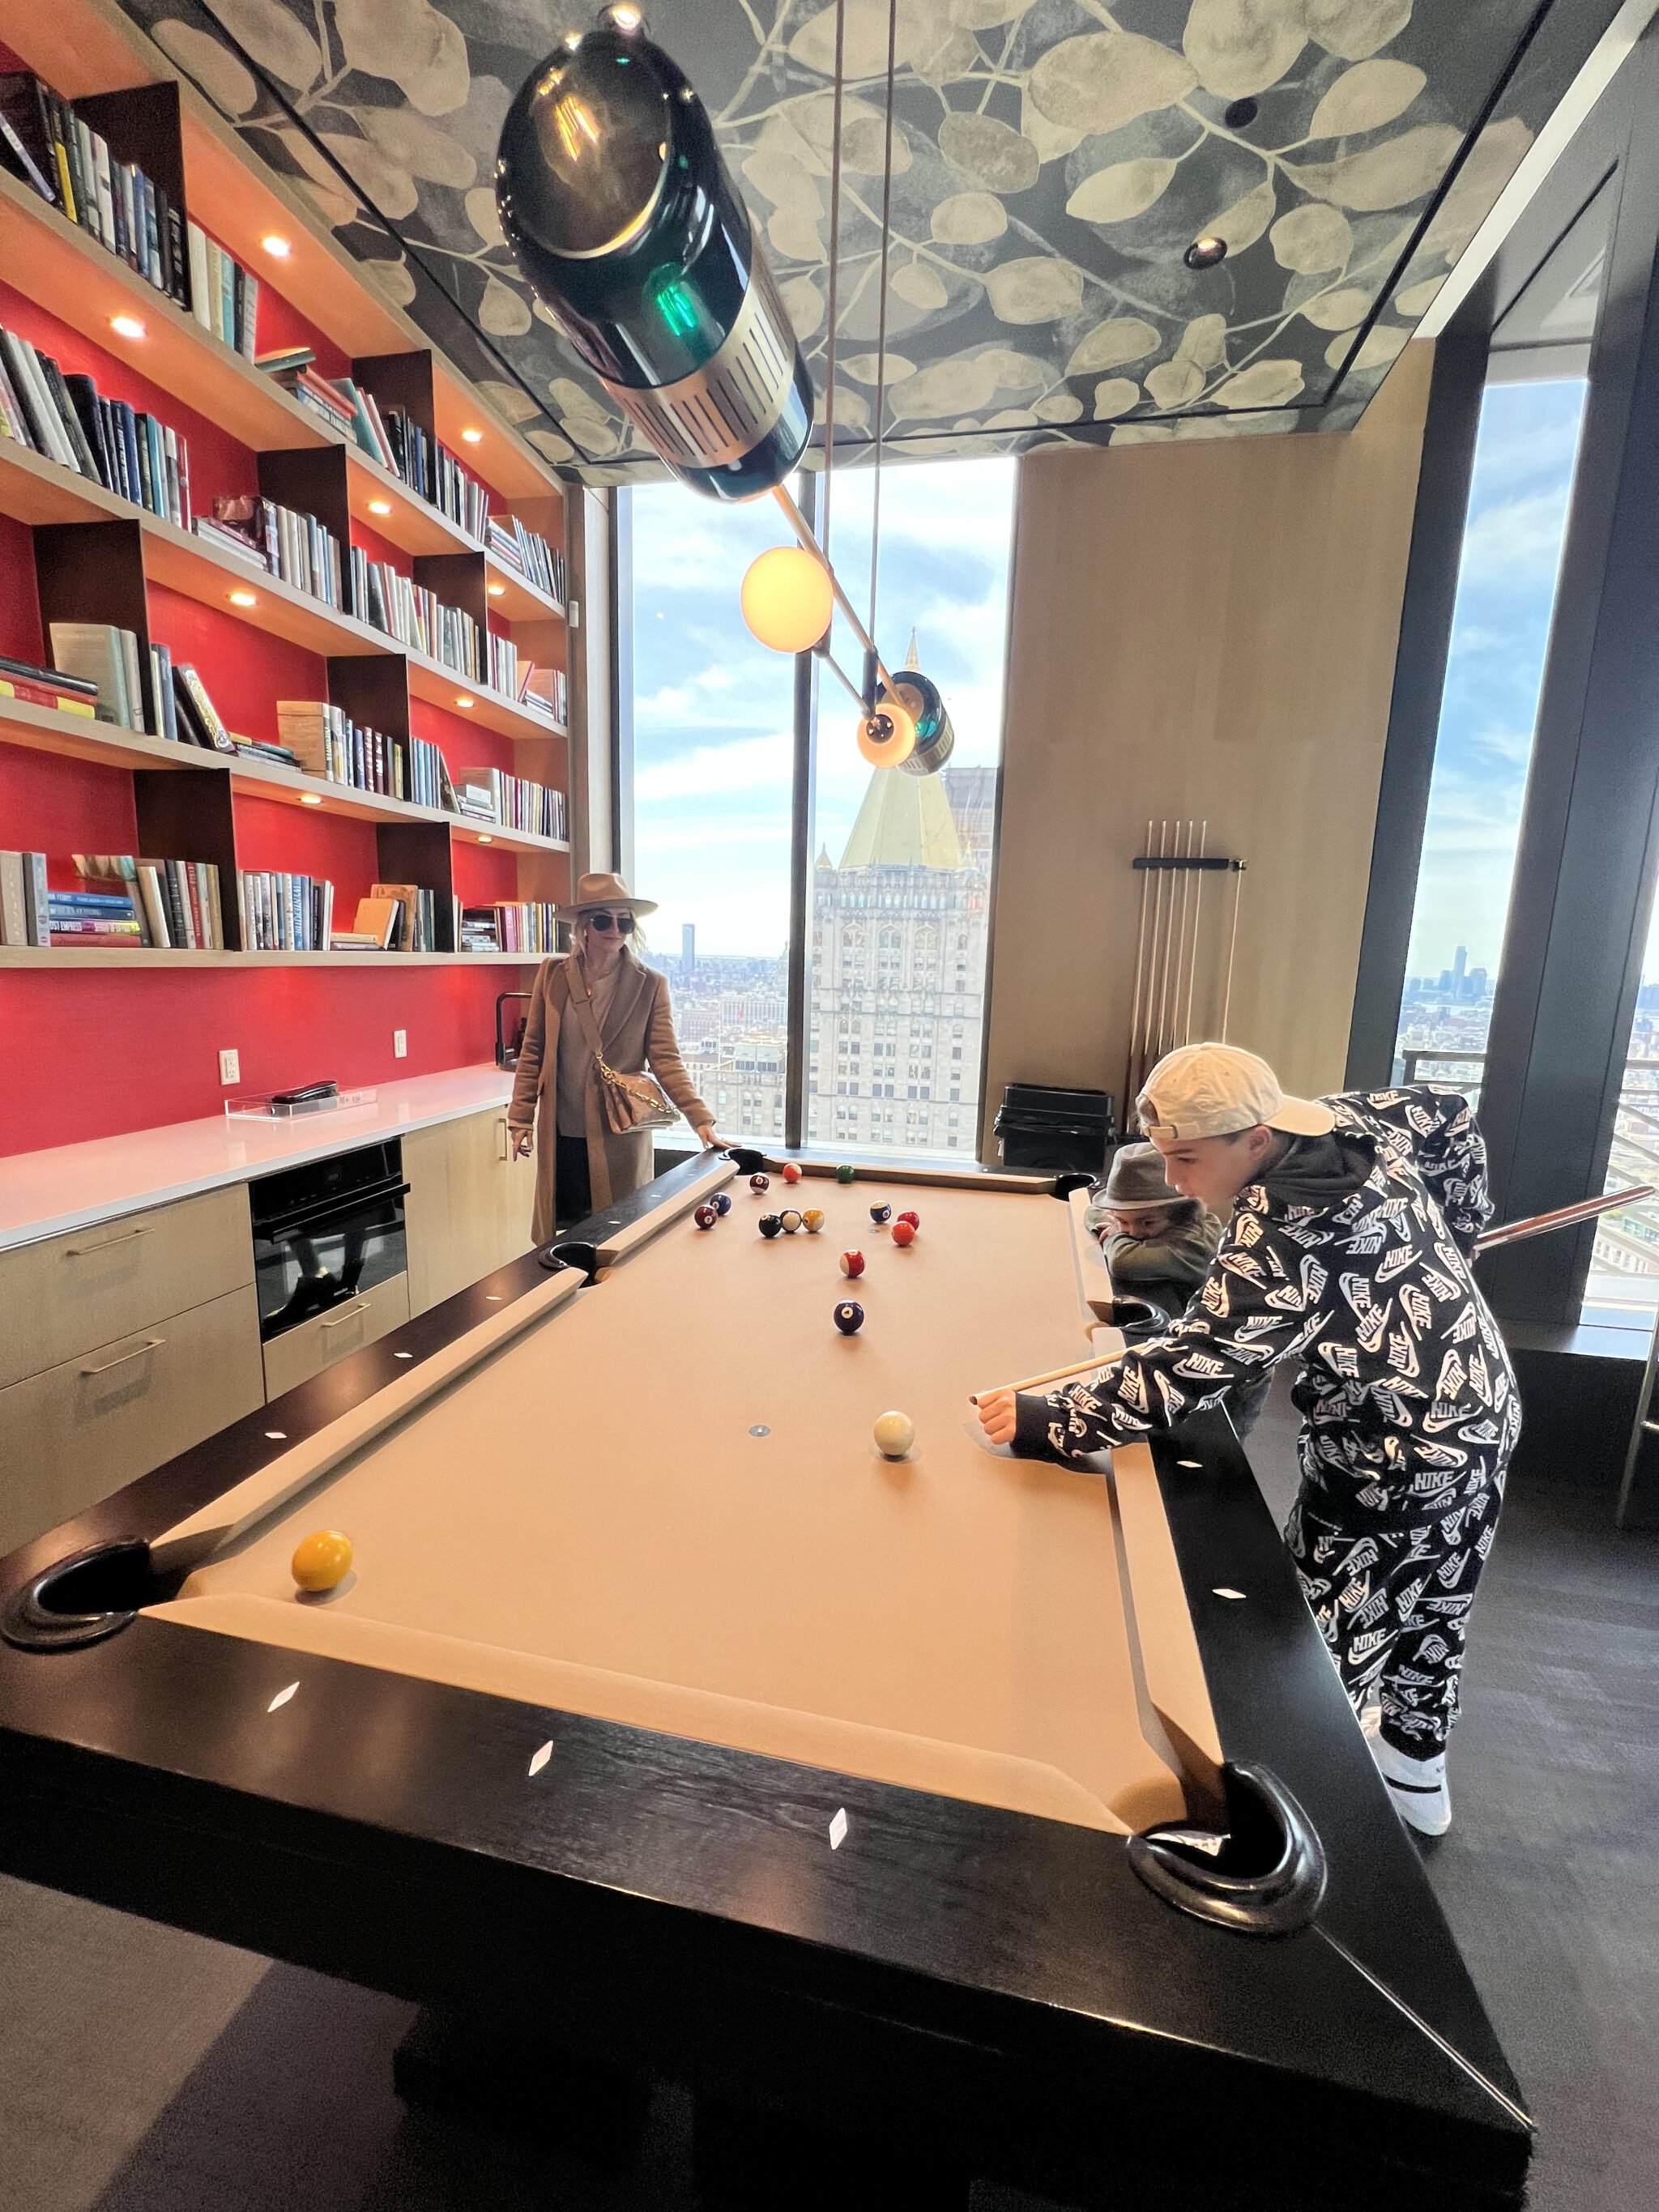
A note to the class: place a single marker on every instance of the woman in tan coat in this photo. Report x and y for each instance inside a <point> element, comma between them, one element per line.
<point>601,988</point>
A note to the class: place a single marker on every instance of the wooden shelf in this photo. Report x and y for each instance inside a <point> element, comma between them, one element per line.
<point>44,729</point>
<point>153,955</point>
<point>35,489</point>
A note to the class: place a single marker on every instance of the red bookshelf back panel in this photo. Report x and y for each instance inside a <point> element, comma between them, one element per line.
<point>245,670</point>
<point>20,609</point>
<point>62,807</point>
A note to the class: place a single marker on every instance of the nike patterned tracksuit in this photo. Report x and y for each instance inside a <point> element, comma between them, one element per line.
<point>1352,1256</point>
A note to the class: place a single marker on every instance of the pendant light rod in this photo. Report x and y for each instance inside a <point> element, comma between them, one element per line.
<point>803,530</point>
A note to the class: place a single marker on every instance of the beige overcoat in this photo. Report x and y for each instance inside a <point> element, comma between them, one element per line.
<point>637,1033</point>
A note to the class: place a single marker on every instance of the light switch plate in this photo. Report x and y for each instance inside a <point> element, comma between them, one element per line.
<point>400,1044</point>
<point>230,1065</point>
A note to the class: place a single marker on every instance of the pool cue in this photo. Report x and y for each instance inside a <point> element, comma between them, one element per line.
<point>1565,1217</point>
<point>1055,1374</point>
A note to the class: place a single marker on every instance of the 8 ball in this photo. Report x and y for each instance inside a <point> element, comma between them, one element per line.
<point>849,1317</point>
<point>770,1224</point>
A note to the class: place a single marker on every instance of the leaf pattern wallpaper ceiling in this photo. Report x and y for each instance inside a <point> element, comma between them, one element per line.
<point>1052,161</point>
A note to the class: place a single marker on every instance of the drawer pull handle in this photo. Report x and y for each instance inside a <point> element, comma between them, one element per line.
<point>81,1251</point>
<point>149,1344</point>
<point>350,1314</point>
<point>503,1150</point>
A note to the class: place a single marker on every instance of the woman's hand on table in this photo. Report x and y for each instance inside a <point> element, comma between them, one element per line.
<point>997,1416</point>
<point>523,1140</point>
<point>706,1138</point>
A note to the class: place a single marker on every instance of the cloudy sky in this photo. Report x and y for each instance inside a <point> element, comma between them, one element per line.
<point>1517,515</point>
<point>711,709</point>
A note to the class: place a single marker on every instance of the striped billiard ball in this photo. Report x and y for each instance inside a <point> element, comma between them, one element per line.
<point>706,1217</point>
<point>851,1263</point>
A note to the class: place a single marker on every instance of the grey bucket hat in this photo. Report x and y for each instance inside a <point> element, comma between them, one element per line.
<point>1137,1179</point>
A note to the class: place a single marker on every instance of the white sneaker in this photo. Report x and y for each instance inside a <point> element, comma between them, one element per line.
<point>1418,1787</point>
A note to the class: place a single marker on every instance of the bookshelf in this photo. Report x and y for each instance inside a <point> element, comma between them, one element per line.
<point>100,559</point>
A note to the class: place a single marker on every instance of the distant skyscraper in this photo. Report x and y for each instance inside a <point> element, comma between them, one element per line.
<point>687,949</point>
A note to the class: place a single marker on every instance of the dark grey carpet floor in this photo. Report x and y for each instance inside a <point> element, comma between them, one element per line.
<point>146,2071</point>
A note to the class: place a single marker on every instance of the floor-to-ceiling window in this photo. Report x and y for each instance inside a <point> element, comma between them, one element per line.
<point>1518,501</point>
<point>1623,1276</point>
<point>898,891</point>
<point>901,863</point>
<point>712,750</point>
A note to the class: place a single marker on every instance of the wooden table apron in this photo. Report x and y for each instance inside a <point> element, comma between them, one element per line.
<point>989,1970</point>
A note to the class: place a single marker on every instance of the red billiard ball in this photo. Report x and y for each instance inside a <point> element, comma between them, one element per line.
<point>851,1263</point>
<point>760,1182</point>
<point>706,1216</point>
<point>849,1317</point>
<point>790,1172</point>
<point>915,1219</point>
<point>903,1233</point>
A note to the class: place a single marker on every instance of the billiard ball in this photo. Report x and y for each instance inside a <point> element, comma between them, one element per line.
<point>915,1219</point>
<point>812,1219</point>
<point>895,1434</point>
<point>322,1560</point>
<point>790,1172</point>
<point>849,1317</point>
<point>771,1223</point>
<point>760,1182</point>
<point>844,1173</point>
<point>881,1215</point>
<point>790,1219</point>
<point>721,1202</point>
<point>903,1234</point>
<point>706,1216</point>
<point>851,1263</point>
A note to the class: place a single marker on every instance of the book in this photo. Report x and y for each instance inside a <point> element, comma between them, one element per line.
<point>37,909</point>
<point>25,146</point>
<point>195,253</point>
<point>147,876</point>
<point>408,896</point>
<point>135,718</point>
<point>379,919</point>
<point>165,713</point>
<point>97,652</point>
<point>206,712</point>
<point>14,913</point>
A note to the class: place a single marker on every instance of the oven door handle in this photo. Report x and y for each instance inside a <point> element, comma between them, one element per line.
<point>313,1217</point>
<point>348,1313</point>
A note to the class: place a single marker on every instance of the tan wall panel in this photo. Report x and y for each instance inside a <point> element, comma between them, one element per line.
<point>1207,629</point>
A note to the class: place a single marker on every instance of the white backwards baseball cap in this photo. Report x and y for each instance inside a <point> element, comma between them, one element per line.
<point>1216,1089</point>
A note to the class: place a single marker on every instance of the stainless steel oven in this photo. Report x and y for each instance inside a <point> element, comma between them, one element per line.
<point>326,1232</point>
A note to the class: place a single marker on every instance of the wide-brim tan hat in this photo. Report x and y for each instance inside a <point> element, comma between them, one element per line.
<point>600,890</point>
<point>1216,1089</point>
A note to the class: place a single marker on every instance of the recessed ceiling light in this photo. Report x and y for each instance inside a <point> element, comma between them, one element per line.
<point>309,799</point>
<point>126,326</point>
<point>1205,252</point>
<point>497,591</point>
<point>278,248</point>
<point>486,841</point>
<point>473,437</point>
<point>380,506</point>
<point>461,700</point>
<point>243,599</point>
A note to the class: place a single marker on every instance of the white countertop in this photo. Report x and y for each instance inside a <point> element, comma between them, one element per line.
<point>72,1186</point>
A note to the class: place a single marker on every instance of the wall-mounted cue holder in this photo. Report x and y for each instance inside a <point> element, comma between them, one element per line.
<point>1184,950</point>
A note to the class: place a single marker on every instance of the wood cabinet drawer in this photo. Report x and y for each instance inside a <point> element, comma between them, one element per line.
<point>66,1294</point>
<point>469,1207</point>
<point>299,1353</point>
<point>71,1435</point>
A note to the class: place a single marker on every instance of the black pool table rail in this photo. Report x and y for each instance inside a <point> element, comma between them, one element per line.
<point>1004,1980</point>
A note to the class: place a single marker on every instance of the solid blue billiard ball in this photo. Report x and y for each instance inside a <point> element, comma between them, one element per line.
<point>721,1202</point>
<point>881,1215</point>
<point>849,1317</point>
<point>760,1182</point>
<point>705,1216</point>
<point>771,1223</point>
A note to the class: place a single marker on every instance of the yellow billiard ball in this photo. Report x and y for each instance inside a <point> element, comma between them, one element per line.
<point>321,1561</point>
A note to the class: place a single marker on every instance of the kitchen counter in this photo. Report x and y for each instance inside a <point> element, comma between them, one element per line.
<point>73,1186</point>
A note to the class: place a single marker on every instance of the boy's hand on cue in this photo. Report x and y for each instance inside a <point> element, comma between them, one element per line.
<point>996,1414</point>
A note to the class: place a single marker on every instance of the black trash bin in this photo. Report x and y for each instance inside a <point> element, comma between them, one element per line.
<point>1042,1130</point>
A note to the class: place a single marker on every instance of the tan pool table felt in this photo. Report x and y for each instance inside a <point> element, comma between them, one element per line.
<point>583,1519</point>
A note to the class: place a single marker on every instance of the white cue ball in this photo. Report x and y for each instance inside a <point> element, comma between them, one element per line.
<point>895,1434</point>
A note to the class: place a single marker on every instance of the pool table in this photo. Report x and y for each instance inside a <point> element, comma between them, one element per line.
<point>984,1816</point>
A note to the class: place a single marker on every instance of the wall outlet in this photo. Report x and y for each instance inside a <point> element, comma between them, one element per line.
<point>230,1067</point>
<point>400,1044</point>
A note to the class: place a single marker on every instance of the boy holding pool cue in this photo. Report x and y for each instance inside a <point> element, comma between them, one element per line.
<point>1351,1224</point>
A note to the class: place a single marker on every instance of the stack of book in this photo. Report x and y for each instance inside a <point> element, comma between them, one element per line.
<point>283,912</point>
<point>25,910</point>
<point>514,926</point>
<point>490,795</point>
<point>326,742</point>
<point>528,552</point>
<point>119,901</point>
<point>503,665</point>
<point>280,540</point>
<point>393,918</point>
<point>68,419</point>
<point>47,686</point>
<point>90,918</point>
<point>293,369</point>
<point>224,297</point>
<point>385,598</point>
<point>44,142</point>
<point>546,691</point>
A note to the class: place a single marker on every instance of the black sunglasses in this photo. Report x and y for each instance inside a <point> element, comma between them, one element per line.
<point>622,923</point>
